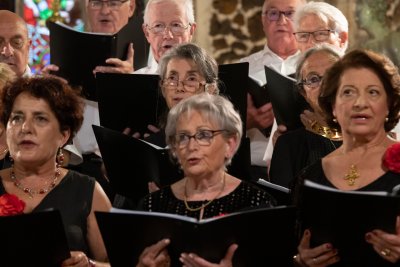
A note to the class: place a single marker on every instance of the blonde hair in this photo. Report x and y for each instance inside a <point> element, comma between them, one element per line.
<point>6,75</point>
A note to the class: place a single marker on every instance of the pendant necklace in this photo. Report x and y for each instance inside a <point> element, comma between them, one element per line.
<point>352,175</point>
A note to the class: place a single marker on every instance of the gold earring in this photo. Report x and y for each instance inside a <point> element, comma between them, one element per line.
<point>60,157</point>
<point>334,120</point>
<point>386,119</point>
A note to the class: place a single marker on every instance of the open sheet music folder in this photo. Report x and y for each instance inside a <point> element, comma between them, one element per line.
<point>344,217</point>
<point>286,100</point>
<point>78,53</point>
<point>129,100</point>
<point>34,239</point>
<point>233,84</point>
<point>265,235</point>
<point>131,163</point>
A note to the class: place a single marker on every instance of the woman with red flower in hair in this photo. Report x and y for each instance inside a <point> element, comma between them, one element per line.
<point>360,95</point>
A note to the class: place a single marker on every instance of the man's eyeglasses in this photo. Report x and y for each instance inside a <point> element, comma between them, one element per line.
<point>112,4</point>
<point>275,14</point>
<point>319,36</point>
<point>175,28</point>
<point>190,86</point>
<point>311,81</point>
<point>202,137</point>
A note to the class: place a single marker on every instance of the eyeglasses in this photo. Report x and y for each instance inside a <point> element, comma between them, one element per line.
<point>190,86</point>
<point>311,81</point>
<point>202,137</point>
<point>319,36</point>
<point>112,4</point>
<point>175,28</point>
<point>275,14</point>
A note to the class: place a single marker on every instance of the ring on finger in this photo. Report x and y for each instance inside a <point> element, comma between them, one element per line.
<point>386,252</point>
<point>314,260</point>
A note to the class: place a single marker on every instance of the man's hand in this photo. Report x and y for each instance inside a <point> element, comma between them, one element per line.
<point>261,117</point>
<point>119,66</point>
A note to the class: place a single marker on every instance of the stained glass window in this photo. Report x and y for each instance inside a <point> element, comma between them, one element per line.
<point>35,13</point>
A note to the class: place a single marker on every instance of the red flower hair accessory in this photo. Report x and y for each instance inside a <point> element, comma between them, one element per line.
<point>11,205</point>
<point>391,159</point>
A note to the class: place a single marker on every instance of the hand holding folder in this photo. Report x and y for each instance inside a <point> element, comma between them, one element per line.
<point>342,218</point>
<point>127,233</point>
<point>78,53</point>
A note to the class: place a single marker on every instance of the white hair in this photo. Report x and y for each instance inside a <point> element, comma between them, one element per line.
<point>188,6</point>
<point>326,12</point>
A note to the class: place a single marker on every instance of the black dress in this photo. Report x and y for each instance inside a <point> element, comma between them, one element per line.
<point>244,196</point>
<point>296,150</point>
<point>73,198</point>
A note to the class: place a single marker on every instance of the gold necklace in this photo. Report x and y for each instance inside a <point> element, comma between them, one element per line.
<point>331,133</point>
<point>208,202</point>
<point>31,192</point>
<point>352,175</point>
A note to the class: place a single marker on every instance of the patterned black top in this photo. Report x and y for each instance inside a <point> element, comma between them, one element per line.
<point>245,196</point>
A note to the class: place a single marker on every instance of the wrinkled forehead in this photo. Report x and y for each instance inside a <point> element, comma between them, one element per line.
<point>166,12</point>
<point>10,29</point>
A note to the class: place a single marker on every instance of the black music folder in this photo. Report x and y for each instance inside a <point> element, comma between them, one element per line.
<point>280,193</point>
<point>129,100</point>
<point>34,239</point>
<point>258,91</point>
<point>233,84</point>
<point>78,53</point>
<point>344,217</point>
<point>131,163</point>
<point>286,100</point>
<point>265,235</point>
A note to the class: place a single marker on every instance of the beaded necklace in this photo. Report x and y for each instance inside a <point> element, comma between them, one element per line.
<point>30,191</point>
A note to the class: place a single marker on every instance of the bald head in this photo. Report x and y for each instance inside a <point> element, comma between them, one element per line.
<point>13,20</point>
<point>14,41</point>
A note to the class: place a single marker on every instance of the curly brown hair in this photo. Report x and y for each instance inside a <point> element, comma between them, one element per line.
<point>381,65</point>
<point>63,100</point>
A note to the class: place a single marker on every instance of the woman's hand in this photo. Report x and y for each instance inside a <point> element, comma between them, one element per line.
<point>155,255</point>
<point>385,244</point>
<point>77,259</point>
<point>279,131</point>
<point>323,255</point>
<point>192,260</point>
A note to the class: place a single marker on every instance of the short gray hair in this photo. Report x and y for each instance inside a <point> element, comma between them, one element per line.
<point>188,5</point>
<point>205,63</point>
<point>217,109</point>
<point>326,12</point>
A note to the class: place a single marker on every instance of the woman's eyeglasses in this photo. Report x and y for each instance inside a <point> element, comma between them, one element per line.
<point>311,81</point>
<point>202,137</point>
